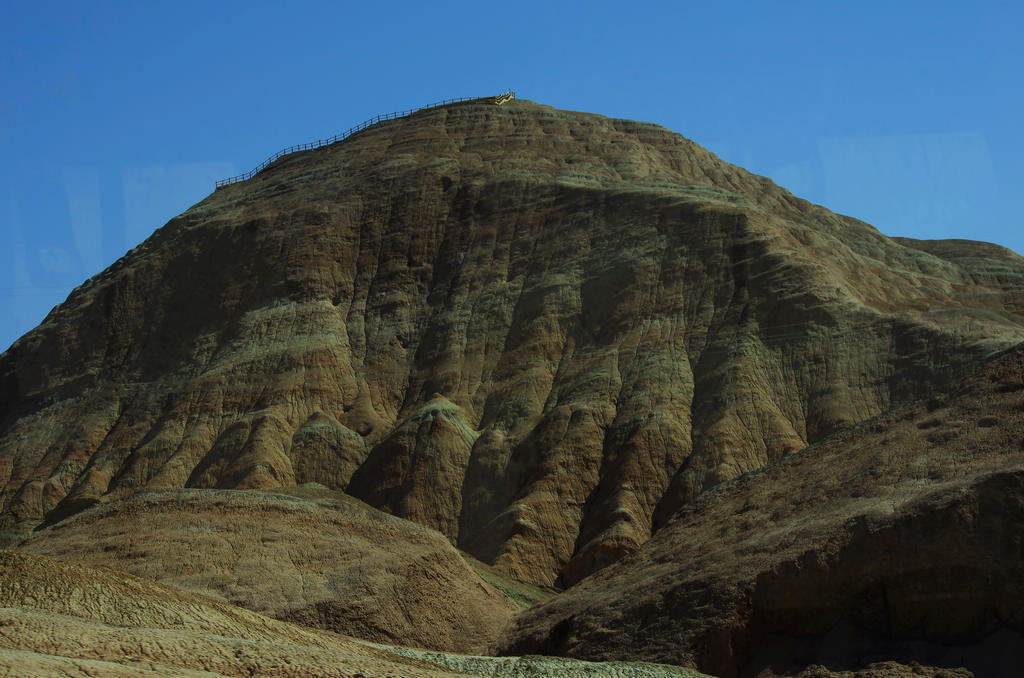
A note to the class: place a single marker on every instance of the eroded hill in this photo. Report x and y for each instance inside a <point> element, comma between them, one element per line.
<point>539,332</point>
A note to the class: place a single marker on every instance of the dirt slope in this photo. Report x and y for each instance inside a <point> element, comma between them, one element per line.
<point>59,618</point>
<point>54,615</point>
<point>310,556</point>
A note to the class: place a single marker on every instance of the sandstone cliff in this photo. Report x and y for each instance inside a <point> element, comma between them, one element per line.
<point>538,332</point>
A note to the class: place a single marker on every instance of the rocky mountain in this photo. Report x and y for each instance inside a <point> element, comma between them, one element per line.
<point>556,339</point>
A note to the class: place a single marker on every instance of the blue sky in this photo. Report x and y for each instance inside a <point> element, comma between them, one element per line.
<point>116,116</point>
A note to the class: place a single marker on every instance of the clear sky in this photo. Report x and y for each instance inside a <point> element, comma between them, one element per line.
<point>116,116</point>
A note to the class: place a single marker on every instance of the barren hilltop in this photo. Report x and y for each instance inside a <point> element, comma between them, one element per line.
<point>621,399</point>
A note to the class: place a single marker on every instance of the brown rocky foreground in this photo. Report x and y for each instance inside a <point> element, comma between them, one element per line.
<point>71,620</point>
<point>310,556</point>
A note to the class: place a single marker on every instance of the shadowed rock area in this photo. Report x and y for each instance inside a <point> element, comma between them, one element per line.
<point>901,539</point>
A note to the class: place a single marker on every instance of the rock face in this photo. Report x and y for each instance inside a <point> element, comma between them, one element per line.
<point>309,556</point>
<point>614,319</point>
<point>899,539</point>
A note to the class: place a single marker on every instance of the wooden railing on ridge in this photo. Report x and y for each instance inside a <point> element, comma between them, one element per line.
<point>499,99</point>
